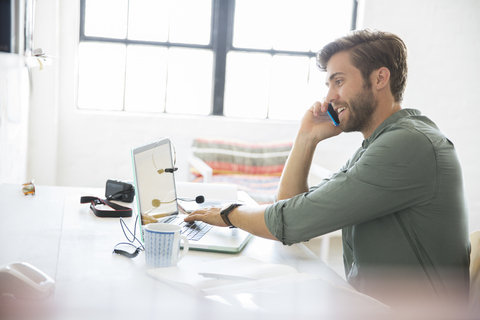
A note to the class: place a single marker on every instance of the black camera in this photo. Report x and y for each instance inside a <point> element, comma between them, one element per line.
<point>120,190</point>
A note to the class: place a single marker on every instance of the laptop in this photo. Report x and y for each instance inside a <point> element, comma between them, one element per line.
<point>157,200</point>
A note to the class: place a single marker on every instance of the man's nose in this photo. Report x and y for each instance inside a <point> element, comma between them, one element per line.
<point>331,96</point>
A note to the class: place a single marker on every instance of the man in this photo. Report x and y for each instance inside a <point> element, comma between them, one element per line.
<point>399,200</point>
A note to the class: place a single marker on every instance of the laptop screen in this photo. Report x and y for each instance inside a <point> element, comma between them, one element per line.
<point>154,179</point>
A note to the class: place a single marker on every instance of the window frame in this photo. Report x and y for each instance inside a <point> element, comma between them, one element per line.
<point>221,43</point>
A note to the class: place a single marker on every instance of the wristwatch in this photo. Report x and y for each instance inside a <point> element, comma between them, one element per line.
<point>226,210</point>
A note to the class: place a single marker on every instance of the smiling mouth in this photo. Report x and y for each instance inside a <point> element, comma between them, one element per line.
<point>340,110</point>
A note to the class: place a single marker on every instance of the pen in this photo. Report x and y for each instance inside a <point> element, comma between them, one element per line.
<point>224,276</point>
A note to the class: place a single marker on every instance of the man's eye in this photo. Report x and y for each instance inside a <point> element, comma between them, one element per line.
<point>338,81</point>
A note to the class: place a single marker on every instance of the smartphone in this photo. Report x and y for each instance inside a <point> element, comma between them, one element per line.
<point>333,115</point>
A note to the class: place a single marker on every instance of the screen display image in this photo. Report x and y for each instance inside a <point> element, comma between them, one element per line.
<point>155,180</point>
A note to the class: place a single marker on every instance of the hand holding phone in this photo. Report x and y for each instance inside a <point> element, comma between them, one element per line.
<point>333,115</point>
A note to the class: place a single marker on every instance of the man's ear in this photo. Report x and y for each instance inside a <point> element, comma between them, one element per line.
<point>381,78</point>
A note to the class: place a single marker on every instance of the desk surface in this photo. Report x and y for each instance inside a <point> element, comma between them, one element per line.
<point>54,232</point>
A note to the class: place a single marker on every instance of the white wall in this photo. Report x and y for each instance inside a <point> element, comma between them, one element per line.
<point>43,149</point>
<point>14,98</point>
<point>86,148</point>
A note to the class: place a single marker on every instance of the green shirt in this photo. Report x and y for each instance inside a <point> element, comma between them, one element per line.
<point>401,204</point>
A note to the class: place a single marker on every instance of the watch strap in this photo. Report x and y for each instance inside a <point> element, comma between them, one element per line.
<point>226,211</point>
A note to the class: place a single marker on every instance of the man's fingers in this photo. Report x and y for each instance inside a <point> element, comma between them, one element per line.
<point>197,215</point>
<point>193,216</point>
<point>324,106</point>
<point>316,108</point>
<point>319,107</point>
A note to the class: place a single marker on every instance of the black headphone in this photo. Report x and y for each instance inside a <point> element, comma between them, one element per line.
<point>198,199</point>
<point>130,242</point>
<point>168,170</point>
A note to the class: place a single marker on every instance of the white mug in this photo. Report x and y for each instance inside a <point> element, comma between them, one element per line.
<point>162,245</point>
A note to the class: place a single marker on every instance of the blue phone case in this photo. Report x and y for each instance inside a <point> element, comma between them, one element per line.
<point>333,115</point>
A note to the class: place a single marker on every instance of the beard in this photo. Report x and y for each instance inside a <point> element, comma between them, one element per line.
<point>361,108</point>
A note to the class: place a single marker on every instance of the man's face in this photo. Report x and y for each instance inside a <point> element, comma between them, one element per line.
<point>351,97</point>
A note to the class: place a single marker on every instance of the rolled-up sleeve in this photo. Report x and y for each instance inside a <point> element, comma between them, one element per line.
<point>395,172</point>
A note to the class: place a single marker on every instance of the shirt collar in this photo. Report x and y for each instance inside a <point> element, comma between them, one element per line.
<point>394,118</point>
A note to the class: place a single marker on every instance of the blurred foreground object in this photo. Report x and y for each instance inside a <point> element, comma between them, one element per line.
<point>28,188</point>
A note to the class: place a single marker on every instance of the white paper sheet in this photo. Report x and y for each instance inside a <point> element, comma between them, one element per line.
<point>188,275</point>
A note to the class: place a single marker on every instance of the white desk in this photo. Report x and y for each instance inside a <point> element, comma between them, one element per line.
<point>54,232</point>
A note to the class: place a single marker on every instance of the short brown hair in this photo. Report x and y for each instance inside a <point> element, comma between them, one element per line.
<point>370,51</point>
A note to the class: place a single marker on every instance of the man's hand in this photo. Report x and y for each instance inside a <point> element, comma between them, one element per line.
<point>316,126</point>
<point>316,123</point>
<point>210,215</point>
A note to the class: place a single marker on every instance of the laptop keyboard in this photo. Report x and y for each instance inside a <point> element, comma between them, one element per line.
<point>194,230</point>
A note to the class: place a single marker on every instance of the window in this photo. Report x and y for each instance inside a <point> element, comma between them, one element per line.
<point>243,58</point>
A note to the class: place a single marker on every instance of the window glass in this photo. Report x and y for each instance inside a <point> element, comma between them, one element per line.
<point>270,71</point>
<point>189,84</point>
<point>317,90</point>
<point>101,76</point>
<point>190,21</point>
<point>328,20</point>
<point>247,84</point>
<point>291,22</point>
<point>146,78</point>
<point>148,20</point>
<point>300,25</point>
<point>252,24</point>
<point>106,18</point>
<point>288,87</point>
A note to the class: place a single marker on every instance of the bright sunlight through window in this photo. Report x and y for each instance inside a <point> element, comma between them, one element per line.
<point>243,58</point>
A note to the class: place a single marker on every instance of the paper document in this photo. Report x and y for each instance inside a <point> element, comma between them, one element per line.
<point>231,271</point>
<point>300,295</point>
<point>258,286</point>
